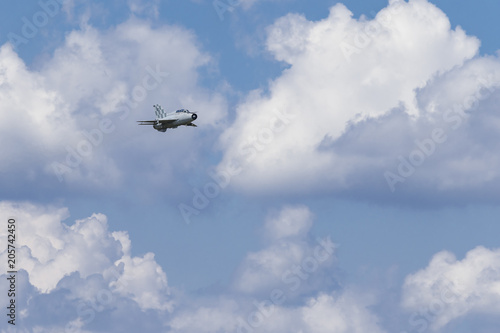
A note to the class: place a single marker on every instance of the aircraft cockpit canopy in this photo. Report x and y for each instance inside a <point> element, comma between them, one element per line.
<point>182,110</point>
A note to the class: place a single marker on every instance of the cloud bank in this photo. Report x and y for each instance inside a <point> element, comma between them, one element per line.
<point>72,276</point>
<point>82,277</point>
<point>401,103</point>
<point>74,114</point>
<point>396,106</point>
<point>391,108</point>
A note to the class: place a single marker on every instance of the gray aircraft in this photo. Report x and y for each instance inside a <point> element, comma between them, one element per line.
<point>170,120</point>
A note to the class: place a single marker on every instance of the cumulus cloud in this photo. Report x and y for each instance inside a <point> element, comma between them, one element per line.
<point>290,258</point>
<point>288,286</point>
<point>82,277</point>
<point>32,114</point>
<point>448,288</point>
<point>356,96</point>
<point>69,274</point>
<point>72,116</point>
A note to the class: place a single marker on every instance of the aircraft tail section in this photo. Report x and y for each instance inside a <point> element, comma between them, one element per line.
<point>160,113</point>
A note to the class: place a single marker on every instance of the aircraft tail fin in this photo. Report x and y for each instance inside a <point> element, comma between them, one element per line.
<point>160,113</point>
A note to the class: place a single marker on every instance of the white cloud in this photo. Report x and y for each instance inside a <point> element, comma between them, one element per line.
<point>339,313</point>
<point>145,281</point>
<point>291,221</point>
<point>82,277</point>
<point>80,270</point>
<point>263,296</point>
<point>448,288</point>
<point>141,6</point>
<point>357,95</point>
<point>74,116</point>
<point>219,316</point>
<point>290,259</point>
<point>33,115</point>
<point>333,312</point>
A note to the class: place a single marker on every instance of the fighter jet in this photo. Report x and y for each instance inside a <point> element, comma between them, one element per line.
<point>170,120</point>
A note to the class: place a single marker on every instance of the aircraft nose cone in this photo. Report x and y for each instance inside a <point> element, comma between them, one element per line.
<point>194,116</point>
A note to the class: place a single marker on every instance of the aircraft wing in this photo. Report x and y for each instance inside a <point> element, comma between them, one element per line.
<point>153,122</point>
<point>146,122</point>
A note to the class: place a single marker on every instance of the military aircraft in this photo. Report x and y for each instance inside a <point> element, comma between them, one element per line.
<point>170,120</point>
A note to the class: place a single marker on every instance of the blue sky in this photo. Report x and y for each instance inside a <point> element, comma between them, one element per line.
<point>370,126</point>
